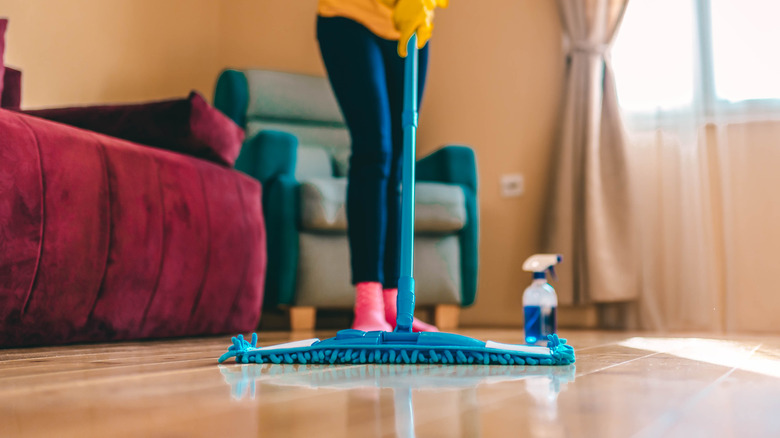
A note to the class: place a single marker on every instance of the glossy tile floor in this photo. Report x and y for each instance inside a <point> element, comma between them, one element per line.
<point>622,386</point>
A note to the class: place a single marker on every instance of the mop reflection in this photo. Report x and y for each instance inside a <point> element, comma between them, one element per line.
<point>544,383</point>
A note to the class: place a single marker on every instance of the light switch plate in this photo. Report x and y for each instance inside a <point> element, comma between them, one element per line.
<point>512,185</point>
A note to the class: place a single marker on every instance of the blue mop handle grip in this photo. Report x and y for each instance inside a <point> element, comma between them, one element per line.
<point>405,303</point>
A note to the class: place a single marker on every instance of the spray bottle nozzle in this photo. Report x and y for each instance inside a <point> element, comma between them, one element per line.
<point>539,264</point>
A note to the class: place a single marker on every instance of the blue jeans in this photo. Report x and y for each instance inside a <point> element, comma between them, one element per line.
<point>367,77</point>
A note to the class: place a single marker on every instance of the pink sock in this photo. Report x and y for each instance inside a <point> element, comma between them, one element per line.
<point>368,308</point>
<point>391,312</point>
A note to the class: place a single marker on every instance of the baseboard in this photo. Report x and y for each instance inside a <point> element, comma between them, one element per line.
<point>581,317</point>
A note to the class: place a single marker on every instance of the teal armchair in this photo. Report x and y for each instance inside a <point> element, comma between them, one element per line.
<point>298,147</point>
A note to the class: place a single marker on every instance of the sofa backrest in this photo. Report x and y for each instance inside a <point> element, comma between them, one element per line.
<point>304,106</point>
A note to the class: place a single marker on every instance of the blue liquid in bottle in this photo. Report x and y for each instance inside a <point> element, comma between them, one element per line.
<point>539,323</point>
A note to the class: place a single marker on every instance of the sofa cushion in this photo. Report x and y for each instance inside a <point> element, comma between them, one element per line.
<point>12,89</point>
<point>439,208</point>
<point>190,126</point>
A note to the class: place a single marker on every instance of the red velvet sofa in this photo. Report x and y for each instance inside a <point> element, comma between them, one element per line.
<point>106,239</point>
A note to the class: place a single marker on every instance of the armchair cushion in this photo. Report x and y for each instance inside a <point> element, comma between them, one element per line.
<point>327,283</point>
<point>323,204</point>
<point>313,162</point>
<point>439,208</point>
<point>190,126</point>
<point>290,96</point>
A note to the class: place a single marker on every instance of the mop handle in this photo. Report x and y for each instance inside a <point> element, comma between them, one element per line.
<point>405,303</point>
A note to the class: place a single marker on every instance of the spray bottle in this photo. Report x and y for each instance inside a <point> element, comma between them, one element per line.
<point>540,304</point>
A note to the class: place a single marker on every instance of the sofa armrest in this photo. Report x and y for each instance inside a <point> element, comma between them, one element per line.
<point>457,165</point>
<point>231,96</point>
<point>281,207</point>
<point>268,155</point>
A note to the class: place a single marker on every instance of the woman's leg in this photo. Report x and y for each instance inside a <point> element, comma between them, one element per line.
<point>354,62</point>
<point>394,73</point>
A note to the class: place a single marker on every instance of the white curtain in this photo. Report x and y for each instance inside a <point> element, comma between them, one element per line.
<point>708,209</point>
<point>705,181</point>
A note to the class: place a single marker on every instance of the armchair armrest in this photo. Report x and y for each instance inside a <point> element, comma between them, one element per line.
<point>457,165</point>
<point>450,164</point>
<point>231,96</point>
<point>268,155</point>
<point>282,203</point>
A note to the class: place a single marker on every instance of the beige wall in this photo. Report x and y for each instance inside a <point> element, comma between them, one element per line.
<point>275,34</point>
<point>496,80</point>
<point>86,51</point>
<point>495,83</point>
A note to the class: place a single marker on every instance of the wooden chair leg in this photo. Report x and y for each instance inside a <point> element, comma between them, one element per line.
<point>303,318</point>
<point>446,316</point>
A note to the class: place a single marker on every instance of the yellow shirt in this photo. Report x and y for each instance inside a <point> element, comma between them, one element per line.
<point>372,14</point>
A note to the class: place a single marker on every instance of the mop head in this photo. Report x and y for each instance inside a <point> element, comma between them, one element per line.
<point>359,347</point>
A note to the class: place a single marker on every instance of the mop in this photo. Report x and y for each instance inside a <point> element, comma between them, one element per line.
<point>402,346</point>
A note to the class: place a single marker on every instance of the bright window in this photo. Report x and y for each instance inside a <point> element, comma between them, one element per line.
<point>745,38</point>
<point>652,55</point>
<point>675,55</point>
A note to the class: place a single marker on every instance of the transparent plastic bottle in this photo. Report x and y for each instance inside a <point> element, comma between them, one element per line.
<point>540,305</point>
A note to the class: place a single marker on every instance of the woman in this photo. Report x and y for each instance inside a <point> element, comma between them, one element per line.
<point>363,43</point>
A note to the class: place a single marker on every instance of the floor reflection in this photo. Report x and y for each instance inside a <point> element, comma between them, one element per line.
<point>544,383</point>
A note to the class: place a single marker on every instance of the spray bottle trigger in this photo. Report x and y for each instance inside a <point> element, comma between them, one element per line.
<point>552,273</point>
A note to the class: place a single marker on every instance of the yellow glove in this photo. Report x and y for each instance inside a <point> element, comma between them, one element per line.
<point>391,3</point>
<point>410,16</point>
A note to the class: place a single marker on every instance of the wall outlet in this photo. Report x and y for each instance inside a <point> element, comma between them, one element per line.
<point>512,185</point>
